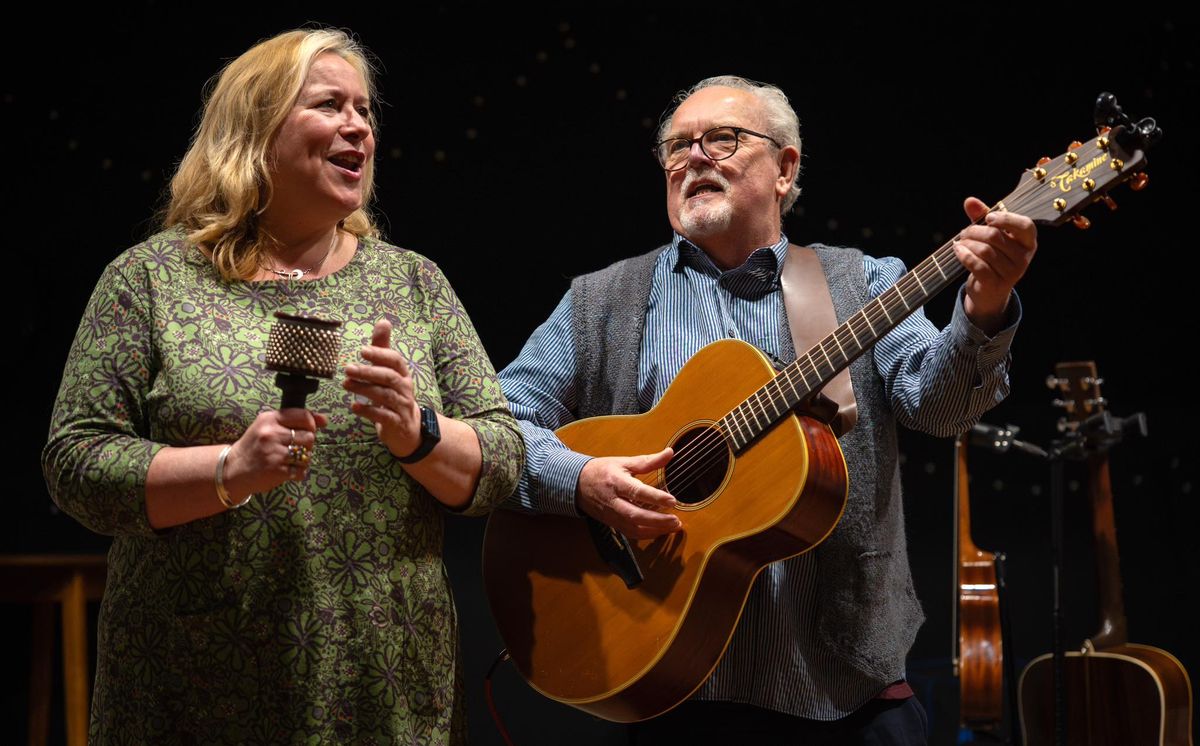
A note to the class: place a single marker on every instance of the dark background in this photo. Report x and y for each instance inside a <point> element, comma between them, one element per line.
<point>514,151</point>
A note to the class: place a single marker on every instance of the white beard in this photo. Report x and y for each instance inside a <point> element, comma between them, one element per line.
<point>710,216</point>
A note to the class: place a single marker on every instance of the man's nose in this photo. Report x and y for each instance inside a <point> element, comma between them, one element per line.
<point>696,154</point>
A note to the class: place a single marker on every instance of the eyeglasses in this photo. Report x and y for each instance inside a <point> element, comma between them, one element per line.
<point>718,144</point>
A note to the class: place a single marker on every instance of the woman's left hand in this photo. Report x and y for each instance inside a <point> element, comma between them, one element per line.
<point>387,383</point>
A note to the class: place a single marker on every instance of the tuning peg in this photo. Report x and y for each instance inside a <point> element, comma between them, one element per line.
<point>1066,404</point>
<point>1112,203</point>
<point>1043,160</point>
<point>1104,130</point>
<point>1139,181</point>
<point>1081,222</point>
<point>1075,145</point>
<point>1053,382</point>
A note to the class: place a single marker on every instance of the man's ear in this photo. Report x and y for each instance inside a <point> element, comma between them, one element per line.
<point>789,165</point>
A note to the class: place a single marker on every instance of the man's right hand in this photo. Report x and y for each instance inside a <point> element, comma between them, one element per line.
<point>609,492</point>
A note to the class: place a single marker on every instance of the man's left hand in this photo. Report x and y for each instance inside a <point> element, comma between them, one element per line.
<point>996,253</point>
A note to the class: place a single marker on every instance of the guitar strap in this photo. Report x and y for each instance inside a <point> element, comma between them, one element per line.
<point>811,317</point>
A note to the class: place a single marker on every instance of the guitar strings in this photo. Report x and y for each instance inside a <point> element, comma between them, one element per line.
<point>696,457</point>
<point>701,450</point>
<point>698,453</point>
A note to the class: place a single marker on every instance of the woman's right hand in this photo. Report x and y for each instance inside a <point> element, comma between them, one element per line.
<point>179,482</point>
<point>261,459</point>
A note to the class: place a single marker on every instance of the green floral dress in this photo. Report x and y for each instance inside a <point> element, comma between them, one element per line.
<point>319,612</point>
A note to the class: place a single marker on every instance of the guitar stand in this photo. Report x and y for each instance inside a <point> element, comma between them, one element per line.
<point>1010,671</point>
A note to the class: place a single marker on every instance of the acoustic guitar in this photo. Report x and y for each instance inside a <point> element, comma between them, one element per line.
<point>755,481</point>
<point>1118,693</point>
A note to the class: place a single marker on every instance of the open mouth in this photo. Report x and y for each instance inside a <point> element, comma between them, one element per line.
<point>703,188</point>
<point>352,162</point>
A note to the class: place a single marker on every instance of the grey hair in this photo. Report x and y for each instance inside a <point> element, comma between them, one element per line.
<point>782,122</point>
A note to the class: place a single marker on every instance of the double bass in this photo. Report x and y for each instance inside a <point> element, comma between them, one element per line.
<point>978,646</point>
<point>1118,693</point>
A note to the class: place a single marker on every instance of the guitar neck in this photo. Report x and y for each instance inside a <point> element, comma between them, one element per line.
<point>1113,629</point>
<point>1078,384</point>
<point>844,345</point>
<point>1049,194</point>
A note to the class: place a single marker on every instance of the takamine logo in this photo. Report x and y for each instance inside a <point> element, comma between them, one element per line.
<point>1063,182</point>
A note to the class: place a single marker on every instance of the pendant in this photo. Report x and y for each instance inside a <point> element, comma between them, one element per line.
<point>296,274</point>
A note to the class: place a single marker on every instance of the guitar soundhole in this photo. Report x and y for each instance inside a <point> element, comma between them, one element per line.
<point>699,466</point>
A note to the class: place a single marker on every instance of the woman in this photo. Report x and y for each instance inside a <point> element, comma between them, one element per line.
<point>276,575</point>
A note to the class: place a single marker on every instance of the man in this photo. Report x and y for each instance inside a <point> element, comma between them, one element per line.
<point>819,652</point>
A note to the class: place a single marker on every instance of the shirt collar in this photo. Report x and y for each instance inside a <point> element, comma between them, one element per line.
<point>756,277</point>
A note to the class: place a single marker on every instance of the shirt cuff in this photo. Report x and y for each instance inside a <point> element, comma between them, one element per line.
<point>991,350</point>
<point>559,480</point>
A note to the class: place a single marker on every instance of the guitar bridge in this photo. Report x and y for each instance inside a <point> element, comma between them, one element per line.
<point>614,549</point>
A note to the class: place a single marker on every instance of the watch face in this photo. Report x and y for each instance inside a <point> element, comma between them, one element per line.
<point>429,424</point>
<point>431,435</point>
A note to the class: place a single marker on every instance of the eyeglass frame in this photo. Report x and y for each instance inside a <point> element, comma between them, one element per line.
<point>737,133</point>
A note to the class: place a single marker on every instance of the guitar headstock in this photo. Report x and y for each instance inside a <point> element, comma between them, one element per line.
<point>1058,189</point>
<point>1078,387</point>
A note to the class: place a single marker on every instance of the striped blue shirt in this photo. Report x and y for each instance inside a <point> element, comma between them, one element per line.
<point>938,382</point>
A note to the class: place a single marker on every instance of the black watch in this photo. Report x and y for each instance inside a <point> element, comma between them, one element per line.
<point>431,435</point>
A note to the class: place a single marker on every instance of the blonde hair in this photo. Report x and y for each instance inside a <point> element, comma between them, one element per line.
<point>223,182</point>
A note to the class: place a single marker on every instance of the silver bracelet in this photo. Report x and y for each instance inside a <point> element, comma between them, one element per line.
<point>222,493</point>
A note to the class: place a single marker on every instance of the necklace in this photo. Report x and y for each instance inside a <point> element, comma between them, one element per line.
<point>296,274</point>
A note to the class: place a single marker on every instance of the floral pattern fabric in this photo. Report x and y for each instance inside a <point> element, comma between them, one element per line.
<point>319,612</point>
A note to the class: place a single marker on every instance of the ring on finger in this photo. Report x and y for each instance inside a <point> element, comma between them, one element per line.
<point>298,454</point>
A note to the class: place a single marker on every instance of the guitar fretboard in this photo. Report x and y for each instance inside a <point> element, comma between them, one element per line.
<point>844,345</point>
<point>1049,195</point>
